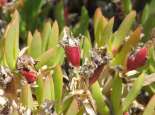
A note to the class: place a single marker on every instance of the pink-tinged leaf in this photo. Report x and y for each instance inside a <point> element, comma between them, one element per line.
<point>123,30</point>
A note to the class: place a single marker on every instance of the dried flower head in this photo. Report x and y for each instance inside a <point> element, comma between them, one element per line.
<point>4,106</point>
<point>99,56</point>
<point>87,69</point>
<point>5,76</point>
<point>71,47</point>
<point>25,62</point>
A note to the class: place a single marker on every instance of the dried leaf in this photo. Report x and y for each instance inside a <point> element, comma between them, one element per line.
<point>149,79</point>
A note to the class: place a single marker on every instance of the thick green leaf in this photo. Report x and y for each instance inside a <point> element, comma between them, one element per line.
<point>145,14</point>
<point>124,29</point>
<point>58,87</point>
<point>45,58</point>
<point>82,26</point>
<point>26,96</point>
<point>86,46</point>
<point>99,98</point>
<point>36,49</point>
<point>149,110</point>
<point>58,57</point>
<point>46,35</point>
<point>59,14</point>
<point>53,36</point>
<point>121,57</point>
<point>39,90</point>
<point>30,11</point>
<point>73,109</point>
<point>29,42</point>
<point>127,6</point>
<point>1,51</point>
<point>11,41</point>
<point>137,85</point>
<point>48,89</point>
<point>100,23</point>
<point>107,32</point>
<point>58,82</point>
<point>116,95</point>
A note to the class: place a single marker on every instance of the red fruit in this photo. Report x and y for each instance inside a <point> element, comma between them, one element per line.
<point>30,76</point>
<point>137,60</point>
<point>141,56</point>
<point>73,55</point>
<point>2,2</point>
<point>131,63</point>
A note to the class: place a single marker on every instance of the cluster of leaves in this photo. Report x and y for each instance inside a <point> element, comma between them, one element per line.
<point>114,96</point>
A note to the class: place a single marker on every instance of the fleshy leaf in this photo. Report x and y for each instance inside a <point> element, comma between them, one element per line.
<point>46,35</point>
<point>53,36</point>
<point>26,96</point>
<point>45,57</point>
<point>11,40</point>
<point>127,6</point>
<point>100,23</point>
<point>58,82</point>
<point>82,26</point>
<point>149,110</point>
<point>137,85</point>
<point>107,32</point>
<point>124,29</point>
<point>39,90</point>
<point>59,14</point>
<point>29,42</point>
<point>99,98</point>
<point>36,49</point>
<point>128,45</point>
<point>48,89</point>
<point>73,109</point>
<point>86,46</point>
<point>116,95</point>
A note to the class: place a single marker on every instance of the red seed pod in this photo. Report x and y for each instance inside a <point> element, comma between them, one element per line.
<point>3,2</point>
<point>30,76</point>
<point>138,59</point>
<point>141,56</point>
<point>73,55</point>
<point>131,63</point>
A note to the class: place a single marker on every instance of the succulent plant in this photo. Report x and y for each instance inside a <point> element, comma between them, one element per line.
<point>102,77</point>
